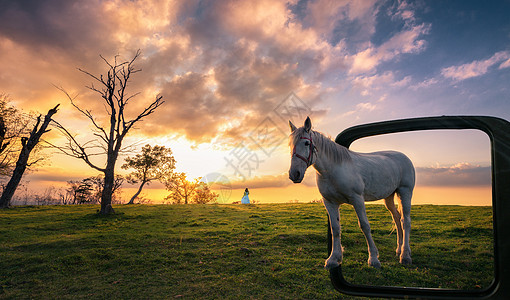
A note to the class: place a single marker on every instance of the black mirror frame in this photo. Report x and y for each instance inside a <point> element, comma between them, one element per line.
<point>498,131</point>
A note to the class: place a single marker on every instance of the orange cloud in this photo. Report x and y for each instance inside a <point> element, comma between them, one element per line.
<point>222,66</point>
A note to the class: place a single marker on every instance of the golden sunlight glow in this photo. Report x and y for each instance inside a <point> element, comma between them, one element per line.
<point>468,196</point>
<point>465,196</point>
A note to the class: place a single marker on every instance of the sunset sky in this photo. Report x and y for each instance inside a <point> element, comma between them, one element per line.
<point>232,73</point>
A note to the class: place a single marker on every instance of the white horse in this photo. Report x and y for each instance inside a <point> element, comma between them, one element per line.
<point>345,176</point>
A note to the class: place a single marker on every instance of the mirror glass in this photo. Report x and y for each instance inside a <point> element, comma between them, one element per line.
<point>452,230</point>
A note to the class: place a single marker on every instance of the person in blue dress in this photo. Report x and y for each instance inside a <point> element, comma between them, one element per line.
<point>245,199</point>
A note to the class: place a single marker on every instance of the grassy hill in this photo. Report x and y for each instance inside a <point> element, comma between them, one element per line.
<point>261,251</point>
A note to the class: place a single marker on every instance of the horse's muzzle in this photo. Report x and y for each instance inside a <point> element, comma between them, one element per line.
<point>295,176</point>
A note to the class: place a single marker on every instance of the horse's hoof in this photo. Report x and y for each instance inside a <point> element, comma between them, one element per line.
<point>375,263</point>
<point>330,264</point>
<point>406,260</point>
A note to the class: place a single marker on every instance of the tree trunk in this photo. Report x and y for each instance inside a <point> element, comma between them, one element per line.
<point>106,196</point>
<point>132,200</point>
<point>28,145</point>
<point>13,183</point>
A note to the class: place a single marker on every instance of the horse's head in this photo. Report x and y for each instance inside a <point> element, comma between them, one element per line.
<point>302,147</point>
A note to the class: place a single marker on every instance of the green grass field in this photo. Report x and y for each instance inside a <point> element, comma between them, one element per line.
<point>266,251</point>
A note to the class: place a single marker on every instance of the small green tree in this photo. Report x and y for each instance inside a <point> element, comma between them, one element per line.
<point>203,194</point>
<point>185,191</point>
<point>153,163</point>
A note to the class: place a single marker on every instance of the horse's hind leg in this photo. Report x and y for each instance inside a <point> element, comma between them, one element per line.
<point>390,205</point>
<point>405,194</point>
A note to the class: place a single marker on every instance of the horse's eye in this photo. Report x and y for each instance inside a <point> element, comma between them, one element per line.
<point>307,143</point>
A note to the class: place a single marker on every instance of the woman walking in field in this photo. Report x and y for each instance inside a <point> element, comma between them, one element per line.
<point>245,199</point>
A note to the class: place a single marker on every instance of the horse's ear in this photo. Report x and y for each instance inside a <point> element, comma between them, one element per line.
<point>308,124</point>
<point>292,127</point>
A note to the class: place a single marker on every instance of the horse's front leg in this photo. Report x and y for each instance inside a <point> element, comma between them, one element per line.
<point>335,258</point>
<point>373,253</point>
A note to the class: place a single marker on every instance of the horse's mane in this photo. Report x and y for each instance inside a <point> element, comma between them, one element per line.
<point>325,146</point>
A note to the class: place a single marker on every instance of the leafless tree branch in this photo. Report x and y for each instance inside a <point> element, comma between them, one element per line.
<point>73,147</point>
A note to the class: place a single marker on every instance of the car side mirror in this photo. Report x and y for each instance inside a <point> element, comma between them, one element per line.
<point>498,131</point>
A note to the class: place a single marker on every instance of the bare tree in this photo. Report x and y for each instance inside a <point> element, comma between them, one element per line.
<point>154,163</point>
<point>108,138</point>
<point>28,144</point>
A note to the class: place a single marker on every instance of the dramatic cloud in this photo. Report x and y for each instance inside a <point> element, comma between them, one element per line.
<point>405,42</point>
<point>338,21</point>
<point>55,24</point>
<point>477,67</point>
<point>217,64</point>
<point>461,174</point>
